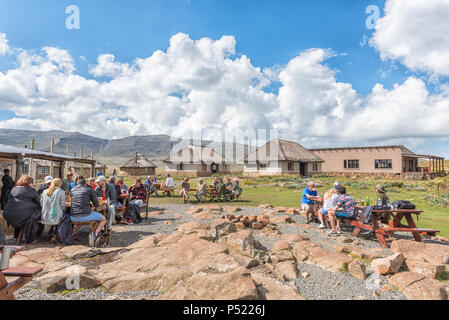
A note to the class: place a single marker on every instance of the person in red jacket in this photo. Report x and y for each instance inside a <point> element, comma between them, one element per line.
<point>138,193</point>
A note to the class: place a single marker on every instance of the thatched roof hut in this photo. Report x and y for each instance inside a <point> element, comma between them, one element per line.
<point>138,165</point>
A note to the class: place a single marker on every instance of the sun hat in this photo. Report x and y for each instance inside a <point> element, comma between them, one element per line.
<point>381,188</point>
<point>100,178</point>
<point>48,179</point>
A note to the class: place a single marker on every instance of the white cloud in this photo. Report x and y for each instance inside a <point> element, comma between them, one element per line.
<point>415,32</point>
<point>203,84</point>
<point>4,47</point>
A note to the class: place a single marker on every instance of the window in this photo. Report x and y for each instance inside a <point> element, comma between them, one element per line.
<point>351,164</point>
<point>383,164</point>
<point>315,167</point>
<point>180,167</point>
<point>291,166</point>
<point>25,168</point>
<point>204,167</point>
<point>43,170</point>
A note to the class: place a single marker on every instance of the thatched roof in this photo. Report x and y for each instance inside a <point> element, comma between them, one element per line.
<point>138,161</point>
<point>282,150</point>
<point>197,155</point>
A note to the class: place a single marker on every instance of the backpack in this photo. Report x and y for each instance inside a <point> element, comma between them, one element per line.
<point>404,204</point>
<point>64,231</point>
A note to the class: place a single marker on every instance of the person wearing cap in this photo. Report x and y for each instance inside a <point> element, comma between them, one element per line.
<point>107,192</point>
<point>149,185</point>
<point>47,183</point>
<point>307,203</point>
<point>337,185</point>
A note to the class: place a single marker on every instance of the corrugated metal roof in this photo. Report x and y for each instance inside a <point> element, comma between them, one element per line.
<point>14,152</point>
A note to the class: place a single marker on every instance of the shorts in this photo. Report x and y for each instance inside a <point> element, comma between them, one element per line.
<point>344,215</point>
<point>94,216</point>
<point>312,206</point>
<point>325,212</point>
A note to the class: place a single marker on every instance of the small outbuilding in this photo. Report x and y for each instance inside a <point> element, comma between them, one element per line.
<point>196,161</point>
<point>138,166</point>
<point>279,157</point>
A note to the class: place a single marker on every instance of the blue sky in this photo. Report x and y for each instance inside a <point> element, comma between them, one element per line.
<point>269,32</point>
<point>272,34</point>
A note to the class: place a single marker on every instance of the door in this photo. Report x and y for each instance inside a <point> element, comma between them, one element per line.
<point>214,168</point>
<point>303,169</point>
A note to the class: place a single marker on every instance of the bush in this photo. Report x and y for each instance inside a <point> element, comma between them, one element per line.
<point>318,176</point>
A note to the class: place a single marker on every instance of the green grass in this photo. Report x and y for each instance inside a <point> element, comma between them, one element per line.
<point>270,190</point>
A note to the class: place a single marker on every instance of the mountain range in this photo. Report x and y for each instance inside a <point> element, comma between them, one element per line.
<point>112,152</point>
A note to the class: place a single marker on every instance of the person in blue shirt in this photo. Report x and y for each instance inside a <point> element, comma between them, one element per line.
<point>307,202</point>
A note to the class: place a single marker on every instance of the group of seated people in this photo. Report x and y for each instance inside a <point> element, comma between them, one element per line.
<point>31,210</point>
<point>227,189</point>
<point>336,205</point>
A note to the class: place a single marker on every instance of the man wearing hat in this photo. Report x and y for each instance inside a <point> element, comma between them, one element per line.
<point>383,200</point>
<point>47,183</point>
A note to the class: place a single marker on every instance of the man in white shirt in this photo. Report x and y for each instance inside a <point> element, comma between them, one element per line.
<point>170,183</point>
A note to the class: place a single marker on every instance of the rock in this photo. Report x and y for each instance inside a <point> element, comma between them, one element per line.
<point>281,219</point>
<point>272,289</point>
<point>246,222</point>
<point>403,279</point>
<point>427,269</point>
<point>344,239</point>
<point>192,227</point>
<point>286,270</point>
<point>426,289</point>
<point>204,215</point>
<point>281,245</point>
<point>293,211</point>
<point>240,225</point>
<point>305,275</point>
<point>232,209</point>
<point>388,265</point>
<point>252,218</point>
<point>359,252</point>
<point>221,228</point>
<point>387,288</point>
<point>235,285</point>
<point>148,242</point>
<point>195,210</point>
<point>70,278</point>
<point>265,206</point>
<point>427,252</point>
<point>357,269</point>
<point>328,260</point>
<point>300,250</point>
<point>280,210</point>
<point>294,238</point>
<point>257,225</point>
<point>156,213</point>
<point>242,241</point>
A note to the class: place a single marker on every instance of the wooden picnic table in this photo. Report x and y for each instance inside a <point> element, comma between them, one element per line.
<point>394,225</point>
<point>23,275</point>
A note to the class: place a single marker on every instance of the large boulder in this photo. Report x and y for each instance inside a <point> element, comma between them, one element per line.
<point>415,286</point>
<point>388,265</point>
<point>222,227</point>
<point>241,241</point>
<point>427,252</point>
<point>272,289</point>
<point>286,270</point>
<point>357,270</point>
<point>427,269</point>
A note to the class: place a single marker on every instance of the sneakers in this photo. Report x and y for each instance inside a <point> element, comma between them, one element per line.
<point>92,239</point>
<point>321,226</point>
<point>331,232</point>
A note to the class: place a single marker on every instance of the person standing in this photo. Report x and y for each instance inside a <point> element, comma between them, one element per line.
<point>8,185</point>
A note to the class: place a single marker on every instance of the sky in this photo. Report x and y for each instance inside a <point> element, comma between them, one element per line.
<point>323,73</point>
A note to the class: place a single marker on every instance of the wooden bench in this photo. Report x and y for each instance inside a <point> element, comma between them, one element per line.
<point>23,275</point>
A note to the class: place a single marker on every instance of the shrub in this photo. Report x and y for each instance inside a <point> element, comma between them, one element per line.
<point>318,176</point>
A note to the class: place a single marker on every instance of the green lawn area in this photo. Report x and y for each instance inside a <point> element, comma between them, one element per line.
<point>285,191</point>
